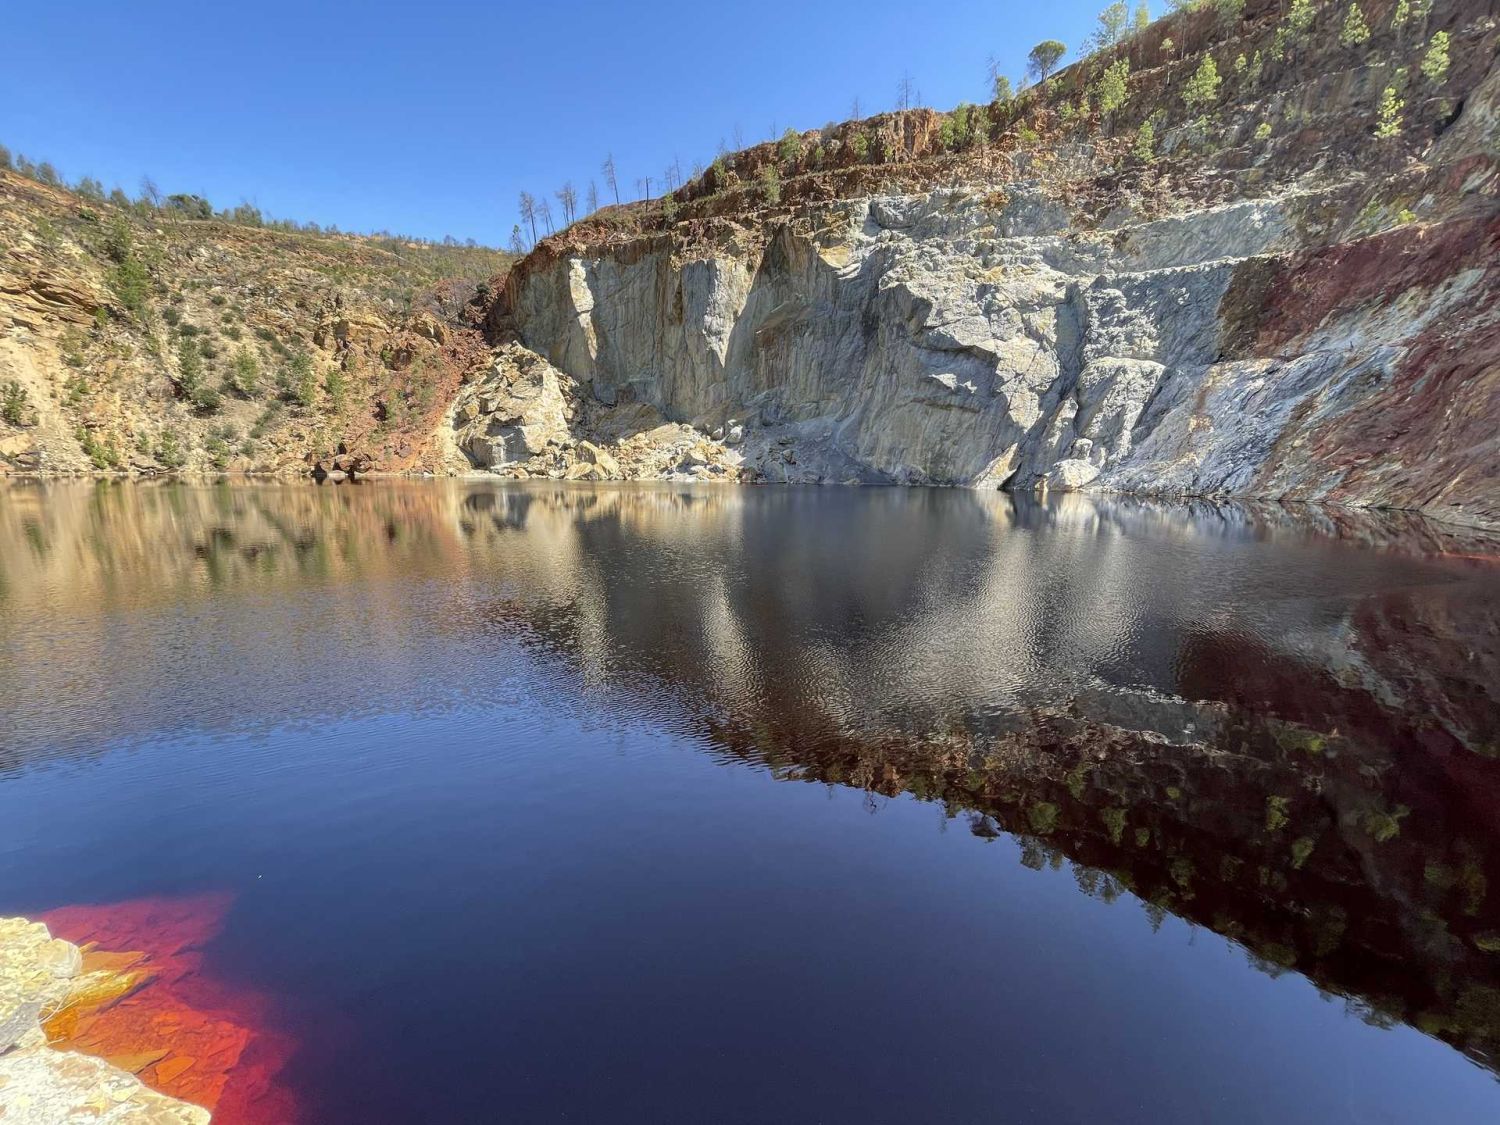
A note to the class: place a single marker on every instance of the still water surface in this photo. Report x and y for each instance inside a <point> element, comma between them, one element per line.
<point>711,804</point>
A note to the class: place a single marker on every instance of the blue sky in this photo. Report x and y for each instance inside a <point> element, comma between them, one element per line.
<point>429,119</point>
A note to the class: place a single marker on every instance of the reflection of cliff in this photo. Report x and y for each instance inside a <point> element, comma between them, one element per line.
<point>1294,747</point>
<point>1225,712</point>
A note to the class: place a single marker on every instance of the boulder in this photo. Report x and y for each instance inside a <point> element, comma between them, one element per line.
<point>1071,475</point>
<point>608,466</point>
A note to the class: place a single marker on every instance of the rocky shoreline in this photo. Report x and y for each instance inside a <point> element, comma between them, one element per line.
<point>41,977</point>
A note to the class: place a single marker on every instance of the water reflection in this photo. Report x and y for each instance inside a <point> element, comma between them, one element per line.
<point>1280,725</point>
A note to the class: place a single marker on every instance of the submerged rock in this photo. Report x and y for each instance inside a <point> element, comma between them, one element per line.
<point>40,977</point>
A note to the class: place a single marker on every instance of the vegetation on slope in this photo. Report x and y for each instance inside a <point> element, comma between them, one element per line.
<point>153,337</point>
<point>1216,89</point>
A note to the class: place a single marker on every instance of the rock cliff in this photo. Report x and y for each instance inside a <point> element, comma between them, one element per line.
<point>1243,252</point>
<point>1281,288</point>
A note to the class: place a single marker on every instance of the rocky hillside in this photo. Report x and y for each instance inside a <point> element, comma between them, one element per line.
<point>1250,251</point>
<point>144,343</point>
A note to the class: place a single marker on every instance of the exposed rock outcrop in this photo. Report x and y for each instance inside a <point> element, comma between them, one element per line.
<point>524,418</point>
<point>40,976</point>
<point>1261,311</point>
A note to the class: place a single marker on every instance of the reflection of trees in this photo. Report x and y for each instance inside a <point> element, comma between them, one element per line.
<point>1329,803</point>
<point>1121,686</point>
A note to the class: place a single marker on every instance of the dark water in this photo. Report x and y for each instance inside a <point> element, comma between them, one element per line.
<point>663,804</point>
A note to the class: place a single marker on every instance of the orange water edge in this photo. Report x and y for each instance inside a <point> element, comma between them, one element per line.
<point>146,1002</point>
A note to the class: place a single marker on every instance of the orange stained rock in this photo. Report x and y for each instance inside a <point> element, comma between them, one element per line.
<point>145,1001</point>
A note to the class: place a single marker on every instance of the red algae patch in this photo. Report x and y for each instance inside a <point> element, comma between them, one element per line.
<point>145,1002</point>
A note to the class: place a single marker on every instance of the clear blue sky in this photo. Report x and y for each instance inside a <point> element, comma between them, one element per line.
<point>430,118</point>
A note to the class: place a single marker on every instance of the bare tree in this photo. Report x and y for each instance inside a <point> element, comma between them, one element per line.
<point>546,209</point>
<point>527,207</point>
<point>151,193</point>
<point>904,92</point>
<point>739,137</point>
<point>517,243</point>
<point>593,197</point>
<point>568,197</point>
<point>608,167</point>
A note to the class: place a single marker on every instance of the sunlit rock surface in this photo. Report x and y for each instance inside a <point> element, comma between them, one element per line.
<point>1286,309</point>
<point>42,981</point>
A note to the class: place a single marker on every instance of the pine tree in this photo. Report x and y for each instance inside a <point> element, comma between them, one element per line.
<point>1203,86</point>
<point>1111,88</point>
<point>1111,27</point>
<point>1044,56</point>
<point>1435,61</point>
<point>1388,117</point>
<point>1356,31</point>
<point>1144,148</point>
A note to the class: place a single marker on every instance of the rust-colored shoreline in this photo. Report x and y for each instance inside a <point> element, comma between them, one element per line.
<point>148,1002</point>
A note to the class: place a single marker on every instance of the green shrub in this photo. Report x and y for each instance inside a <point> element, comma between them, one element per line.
<point>170,453</point>
<point>132,285</point>
<point>218,450</point>
<point>101,454</point>
<point>296,381</point>
<point>335,384</point>
<point>1203,87</point>
<point>1435,61</point>
<point>1263,131</point>
<point>15,403</point>
<point>860,146</point>
<point>1111,90</point>
<point>244,373</point>
<point>118,242</point>
<point>206,398</point>
<point>1355,32</point>
<point>1299,17</point>
<point>1145,142</point>
<point>790,147</point>
<point>770,185</point>
<point>1388,116</point>
<point>189,361</point>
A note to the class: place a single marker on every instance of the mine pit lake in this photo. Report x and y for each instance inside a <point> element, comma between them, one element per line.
<point>462,801</point>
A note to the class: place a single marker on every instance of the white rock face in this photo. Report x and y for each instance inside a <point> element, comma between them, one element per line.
<point>931,339</point>
<point>513,413</point>
<point>41,1086</point>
